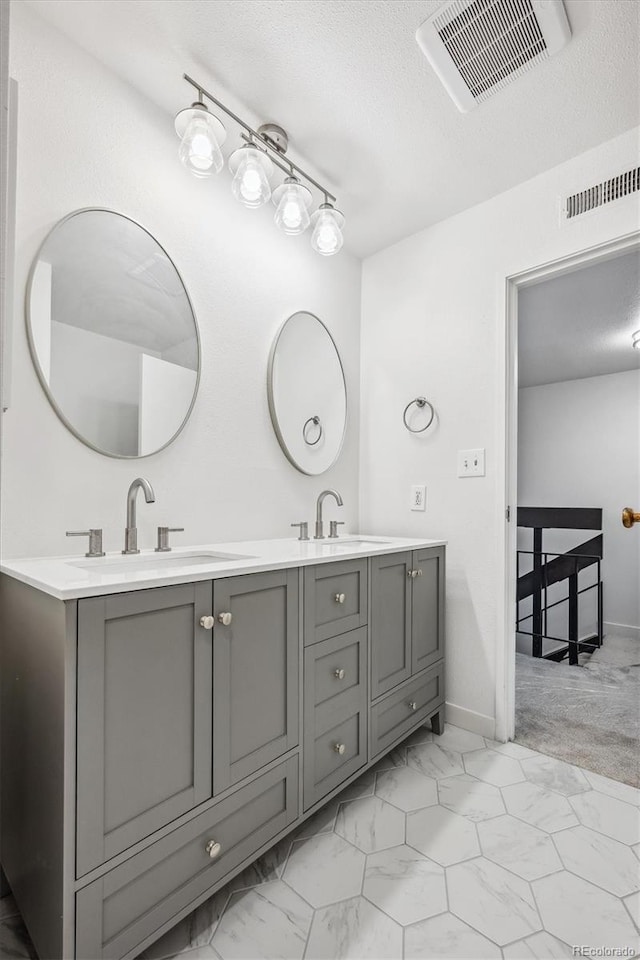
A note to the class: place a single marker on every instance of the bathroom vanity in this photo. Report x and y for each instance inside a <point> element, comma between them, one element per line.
<point>168,717</point>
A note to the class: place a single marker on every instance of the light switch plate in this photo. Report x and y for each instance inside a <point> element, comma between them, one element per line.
<point>418,497</point>
<point>471,463</point>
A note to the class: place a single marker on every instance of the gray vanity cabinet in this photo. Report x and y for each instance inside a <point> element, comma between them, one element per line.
<point>407,616</point>
<point>255,673</point>
<point>144,715</point>
<point>173,734</point>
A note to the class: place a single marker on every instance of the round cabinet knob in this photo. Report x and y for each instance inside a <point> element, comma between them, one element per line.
<point>214,849</point>
<point>339,748</point>
<point>410,573</point>
<point>225,618</point>
<point>413,705</point>
<point>339,673</point>
<point>419,572</point>
<point>340,598</point>
<point>207,622</point>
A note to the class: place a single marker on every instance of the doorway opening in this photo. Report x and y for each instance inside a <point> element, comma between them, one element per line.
<point>573,462</point>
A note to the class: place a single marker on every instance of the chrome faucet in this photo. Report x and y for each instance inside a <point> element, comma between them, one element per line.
<point>319,525</point>
<point>131,531</point>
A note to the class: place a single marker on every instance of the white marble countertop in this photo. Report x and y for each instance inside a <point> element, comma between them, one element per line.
<point>70,578</point>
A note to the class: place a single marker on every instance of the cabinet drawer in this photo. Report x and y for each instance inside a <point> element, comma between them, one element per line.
<point>325,767</point>
<point>336,670</point>
<point>116,912</point>
<point>394,716</point>
<point>335,712</point>
<point>335,599</point>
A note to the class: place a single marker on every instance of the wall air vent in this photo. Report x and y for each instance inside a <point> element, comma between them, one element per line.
<point>477,47</point>
<point>601,193</point>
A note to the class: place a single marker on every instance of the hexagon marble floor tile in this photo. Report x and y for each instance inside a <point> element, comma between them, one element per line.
<point>453,846</point>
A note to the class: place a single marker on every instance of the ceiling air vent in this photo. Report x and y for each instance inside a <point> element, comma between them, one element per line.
<point>601,193</point>
<point>477,47</point>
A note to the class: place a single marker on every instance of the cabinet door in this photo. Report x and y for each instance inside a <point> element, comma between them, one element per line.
<point>427,613</point>
<point>255,673</point>
<point>144,715</point>
<point>390,621</point>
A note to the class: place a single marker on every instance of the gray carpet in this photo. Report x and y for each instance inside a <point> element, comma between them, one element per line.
<point>587,714</point>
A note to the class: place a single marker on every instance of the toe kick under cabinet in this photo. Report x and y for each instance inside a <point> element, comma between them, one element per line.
<point>155,742</point>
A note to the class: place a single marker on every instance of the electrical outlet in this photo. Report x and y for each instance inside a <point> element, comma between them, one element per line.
<point>471,463</point>
<point>418,497</point>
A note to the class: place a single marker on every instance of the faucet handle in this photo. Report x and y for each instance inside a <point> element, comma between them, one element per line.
<point>163,538</point>
<point>304,530</point>
<point>95,540</point>
<point>333,528</point>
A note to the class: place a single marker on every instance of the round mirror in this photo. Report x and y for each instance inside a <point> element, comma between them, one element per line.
<point>307,393</point>
<point>112,334</point>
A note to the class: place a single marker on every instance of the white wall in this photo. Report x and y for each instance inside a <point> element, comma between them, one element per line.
<point>87,139</point>
<point>579,445</point>
<point>433,323</point>
<point>41,316</point>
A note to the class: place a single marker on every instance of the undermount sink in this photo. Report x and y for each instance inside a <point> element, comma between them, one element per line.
<point>137,563</point>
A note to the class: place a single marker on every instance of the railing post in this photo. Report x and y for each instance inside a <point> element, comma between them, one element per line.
<point>600,609</point>
<point>573,616</point>
<point>536,622</point>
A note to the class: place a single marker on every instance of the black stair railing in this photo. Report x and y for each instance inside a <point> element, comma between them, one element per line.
<point>563,566</point>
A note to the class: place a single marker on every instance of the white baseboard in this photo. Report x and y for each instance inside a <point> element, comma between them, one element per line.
<point>470,720</point>
<point>622,628</point>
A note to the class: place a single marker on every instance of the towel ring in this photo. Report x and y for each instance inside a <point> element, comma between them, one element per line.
<point>419,402</point>
<point>316,422</point>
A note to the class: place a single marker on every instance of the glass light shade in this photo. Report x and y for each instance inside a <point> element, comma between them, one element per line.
<point>327,237</point>
<point>251,169</point>
<point>292,200</point>
<point>202,135</point>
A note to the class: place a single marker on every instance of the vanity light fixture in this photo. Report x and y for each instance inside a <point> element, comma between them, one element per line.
<point>252,170</point>
<point>252,165</point>
<point>635,339</point>
<point>201,136</point>
<point>292,200</point>
<point>328,222</point>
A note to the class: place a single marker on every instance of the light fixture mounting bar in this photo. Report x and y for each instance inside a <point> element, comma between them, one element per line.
<point>276,162</point>
<point>274,153</point>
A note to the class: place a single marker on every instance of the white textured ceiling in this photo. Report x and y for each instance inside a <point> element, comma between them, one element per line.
<point>347,80</point>
<point>112,278</point>
<point>580,324</point>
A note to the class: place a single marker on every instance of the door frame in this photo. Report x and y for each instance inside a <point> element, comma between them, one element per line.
<point>506,653</point>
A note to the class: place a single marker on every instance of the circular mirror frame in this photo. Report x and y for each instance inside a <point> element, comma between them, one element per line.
<point>271,398</point>
<point>34,355</point>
